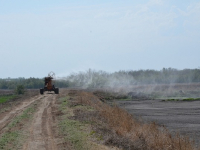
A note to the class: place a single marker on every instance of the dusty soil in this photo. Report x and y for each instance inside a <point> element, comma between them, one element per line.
<point>7,116</point>
<point>41,130</point>
<point>176,116</point>
<point>41,134</point>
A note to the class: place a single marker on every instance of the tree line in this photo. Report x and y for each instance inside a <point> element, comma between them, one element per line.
<point>92,79</point>
<point>28,83</point>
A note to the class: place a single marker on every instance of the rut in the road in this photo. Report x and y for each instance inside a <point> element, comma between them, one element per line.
<point>8,117</point>
<point>41,135</point>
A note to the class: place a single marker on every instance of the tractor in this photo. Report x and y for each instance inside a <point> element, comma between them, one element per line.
<point>48,84</point>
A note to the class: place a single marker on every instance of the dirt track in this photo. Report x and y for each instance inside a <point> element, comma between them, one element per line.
<point>41,136</point>
<point>176,116</point>
<point>5,119</point>
<point>40,130</point>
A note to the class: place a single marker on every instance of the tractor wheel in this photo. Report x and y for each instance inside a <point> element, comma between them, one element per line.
<point>41,91</point>
<point>56,90</point>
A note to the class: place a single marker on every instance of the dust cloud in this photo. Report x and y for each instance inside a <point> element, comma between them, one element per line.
<point>151,83</point>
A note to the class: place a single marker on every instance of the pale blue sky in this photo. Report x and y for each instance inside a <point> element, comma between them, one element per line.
<point>67,36</point>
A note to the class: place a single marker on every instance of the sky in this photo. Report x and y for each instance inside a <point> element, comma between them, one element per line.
<point>69,36</point>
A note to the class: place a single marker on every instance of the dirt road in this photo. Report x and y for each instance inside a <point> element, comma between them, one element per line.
<point>6,118</point>
<point>40,130</point>
<point>41,134</point>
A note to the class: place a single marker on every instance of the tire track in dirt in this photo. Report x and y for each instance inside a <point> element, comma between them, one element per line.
<point>47,127</point>
<point>41,131</point>
<point>12,114</point>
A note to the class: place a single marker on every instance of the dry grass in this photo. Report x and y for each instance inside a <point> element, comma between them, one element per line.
<point>144,136</point>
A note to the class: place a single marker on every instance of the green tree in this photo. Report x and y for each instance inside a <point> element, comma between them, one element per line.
<point>20,89</point>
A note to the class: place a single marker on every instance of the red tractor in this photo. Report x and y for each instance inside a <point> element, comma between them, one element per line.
<point>48,84</point>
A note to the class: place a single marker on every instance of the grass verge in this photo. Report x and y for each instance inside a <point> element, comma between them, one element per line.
<point>72,130</point>
<point>76,132</point>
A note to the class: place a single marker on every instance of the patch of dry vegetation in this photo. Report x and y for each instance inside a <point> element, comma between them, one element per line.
<point>74,122</point>
<point>118,128</point>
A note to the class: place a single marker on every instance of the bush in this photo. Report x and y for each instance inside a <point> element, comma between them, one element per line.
<point>20,89</point>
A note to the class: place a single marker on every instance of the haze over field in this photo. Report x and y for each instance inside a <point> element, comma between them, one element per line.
<point>70,36</point>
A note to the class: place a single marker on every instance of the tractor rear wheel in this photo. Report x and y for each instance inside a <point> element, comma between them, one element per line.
<point>56,90</point>
<point>41,91</point>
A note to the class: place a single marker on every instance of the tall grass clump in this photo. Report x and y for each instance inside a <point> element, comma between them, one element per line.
<point>149,135</point>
